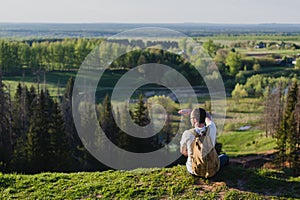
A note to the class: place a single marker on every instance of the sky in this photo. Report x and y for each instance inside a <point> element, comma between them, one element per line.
<point>151,11</point>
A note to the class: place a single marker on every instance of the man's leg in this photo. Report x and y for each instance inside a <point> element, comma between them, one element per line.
<point>224,160</point>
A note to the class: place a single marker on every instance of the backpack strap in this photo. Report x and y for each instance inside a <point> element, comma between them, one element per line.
<point>192,130</point>
<point>200,137</point>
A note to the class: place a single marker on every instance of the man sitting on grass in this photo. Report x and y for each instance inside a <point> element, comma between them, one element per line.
<point>199,118</point>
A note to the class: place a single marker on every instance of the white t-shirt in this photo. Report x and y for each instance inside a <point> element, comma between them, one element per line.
<point>188,138</point>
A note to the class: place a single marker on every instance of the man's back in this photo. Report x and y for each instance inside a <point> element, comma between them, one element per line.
<point>204,160</point>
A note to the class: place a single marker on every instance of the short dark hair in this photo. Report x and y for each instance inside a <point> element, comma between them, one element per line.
<point>199,114</point>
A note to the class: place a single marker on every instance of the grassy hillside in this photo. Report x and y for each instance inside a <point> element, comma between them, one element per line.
<point>239,143</point>
<point>168,183</point>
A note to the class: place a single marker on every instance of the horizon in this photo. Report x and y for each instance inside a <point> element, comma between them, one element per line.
<point>159,23</point>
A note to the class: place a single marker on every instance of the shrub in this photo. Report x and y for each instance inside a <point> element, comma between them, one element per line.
<point>256,67</point>
<point>240,78</point>
<point>297,65</point>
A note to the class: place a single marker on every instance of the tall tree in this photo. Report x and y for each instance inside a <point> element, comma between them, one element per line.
<point>140,116</point>
<point>6,143</point>
<point>68,115</point>
<point>210,47</point>
<point>38,139</point>
<point>140,112</point>
<point>59,155</point>
<point>106,120</point>
<point>292,157</point>
<point>286,136</point>
<point>20,127</point>
<point>234,62</point>
<point>123,138</point>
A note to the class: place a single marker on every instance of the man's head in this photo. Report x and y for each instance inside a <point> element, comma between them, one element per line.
<point>198,116</point>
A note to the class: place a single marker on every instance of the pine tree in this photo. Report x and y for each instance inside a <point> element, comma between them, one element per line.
<point>20,111</point>
<point>286,140</point>
<point>77,148</point>
<point>140,113</point>
<point>38,139</point>
<point>123,138</point>
<point>141,117</point>
<point>67,113</point>
<point>106,120</point>
<point>59,155</point>
<point>297,135</point>
<point>6,143</point>
<point>92,139</point>
<point>32,98</point>
<point>20,127</point>
<point>292,124</point>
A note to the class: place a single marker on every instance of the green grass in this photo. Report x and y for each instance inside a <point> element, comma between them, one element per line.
<point>247,111</point>
<point>56,81</point>
<point>245,142</point>
<point>270,51</point>
<point>257,37</point>
<point>166,183</point>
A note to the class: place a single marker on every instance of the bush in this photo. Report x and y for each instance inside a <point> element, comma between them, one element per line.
<point>248,61</point>
<point>239,92</point>
<point>266,61</point>
<point>240,78</point>
<point>297,65</point>
<point>256,67</point>
<point>263,61</point>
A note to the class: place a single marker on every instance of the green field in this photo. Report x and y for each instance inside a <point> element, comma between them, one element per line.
<point>55,81</point>
<point>240,143</point>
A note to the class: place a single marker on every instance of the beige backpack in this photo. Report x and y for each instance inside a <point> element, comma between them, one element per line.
<point>205,160</point>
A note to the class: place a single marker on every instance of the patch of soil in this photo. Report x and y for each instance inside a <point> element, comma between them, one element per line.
<point>263,160</point>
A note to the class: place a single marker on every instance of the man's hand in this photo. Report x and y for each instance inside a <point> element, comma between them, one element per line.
<point>185,111</point>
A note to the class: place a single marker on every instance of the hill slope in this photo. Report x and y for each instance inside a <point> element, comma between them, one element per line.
<point>169,183</point>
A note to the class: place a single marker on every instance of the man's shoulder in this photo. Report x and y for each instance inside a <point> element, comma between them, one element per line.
<point>188,134</point>
<point>211,123</point>
<point>212,126</point>
<point>189,131</point>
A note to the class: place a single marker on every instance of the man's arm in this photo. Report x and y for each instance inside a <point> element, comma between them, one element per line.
<point>183,151</point>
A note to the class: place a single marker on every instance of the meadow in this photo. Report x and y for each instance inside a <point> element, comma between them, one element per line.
<point>232,182</point>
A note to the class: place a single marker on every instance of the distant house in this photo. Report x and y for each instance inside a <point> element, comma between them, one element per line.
<point>260,45</point>
<point>289,61</point>
<point>285,62</point>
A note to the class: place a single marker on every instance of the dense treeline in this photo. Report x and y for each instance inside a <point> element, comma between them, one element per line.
<point>37,132</point>
<point>44,55</point>
<point>60,54</point>
<point>68,54</point>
